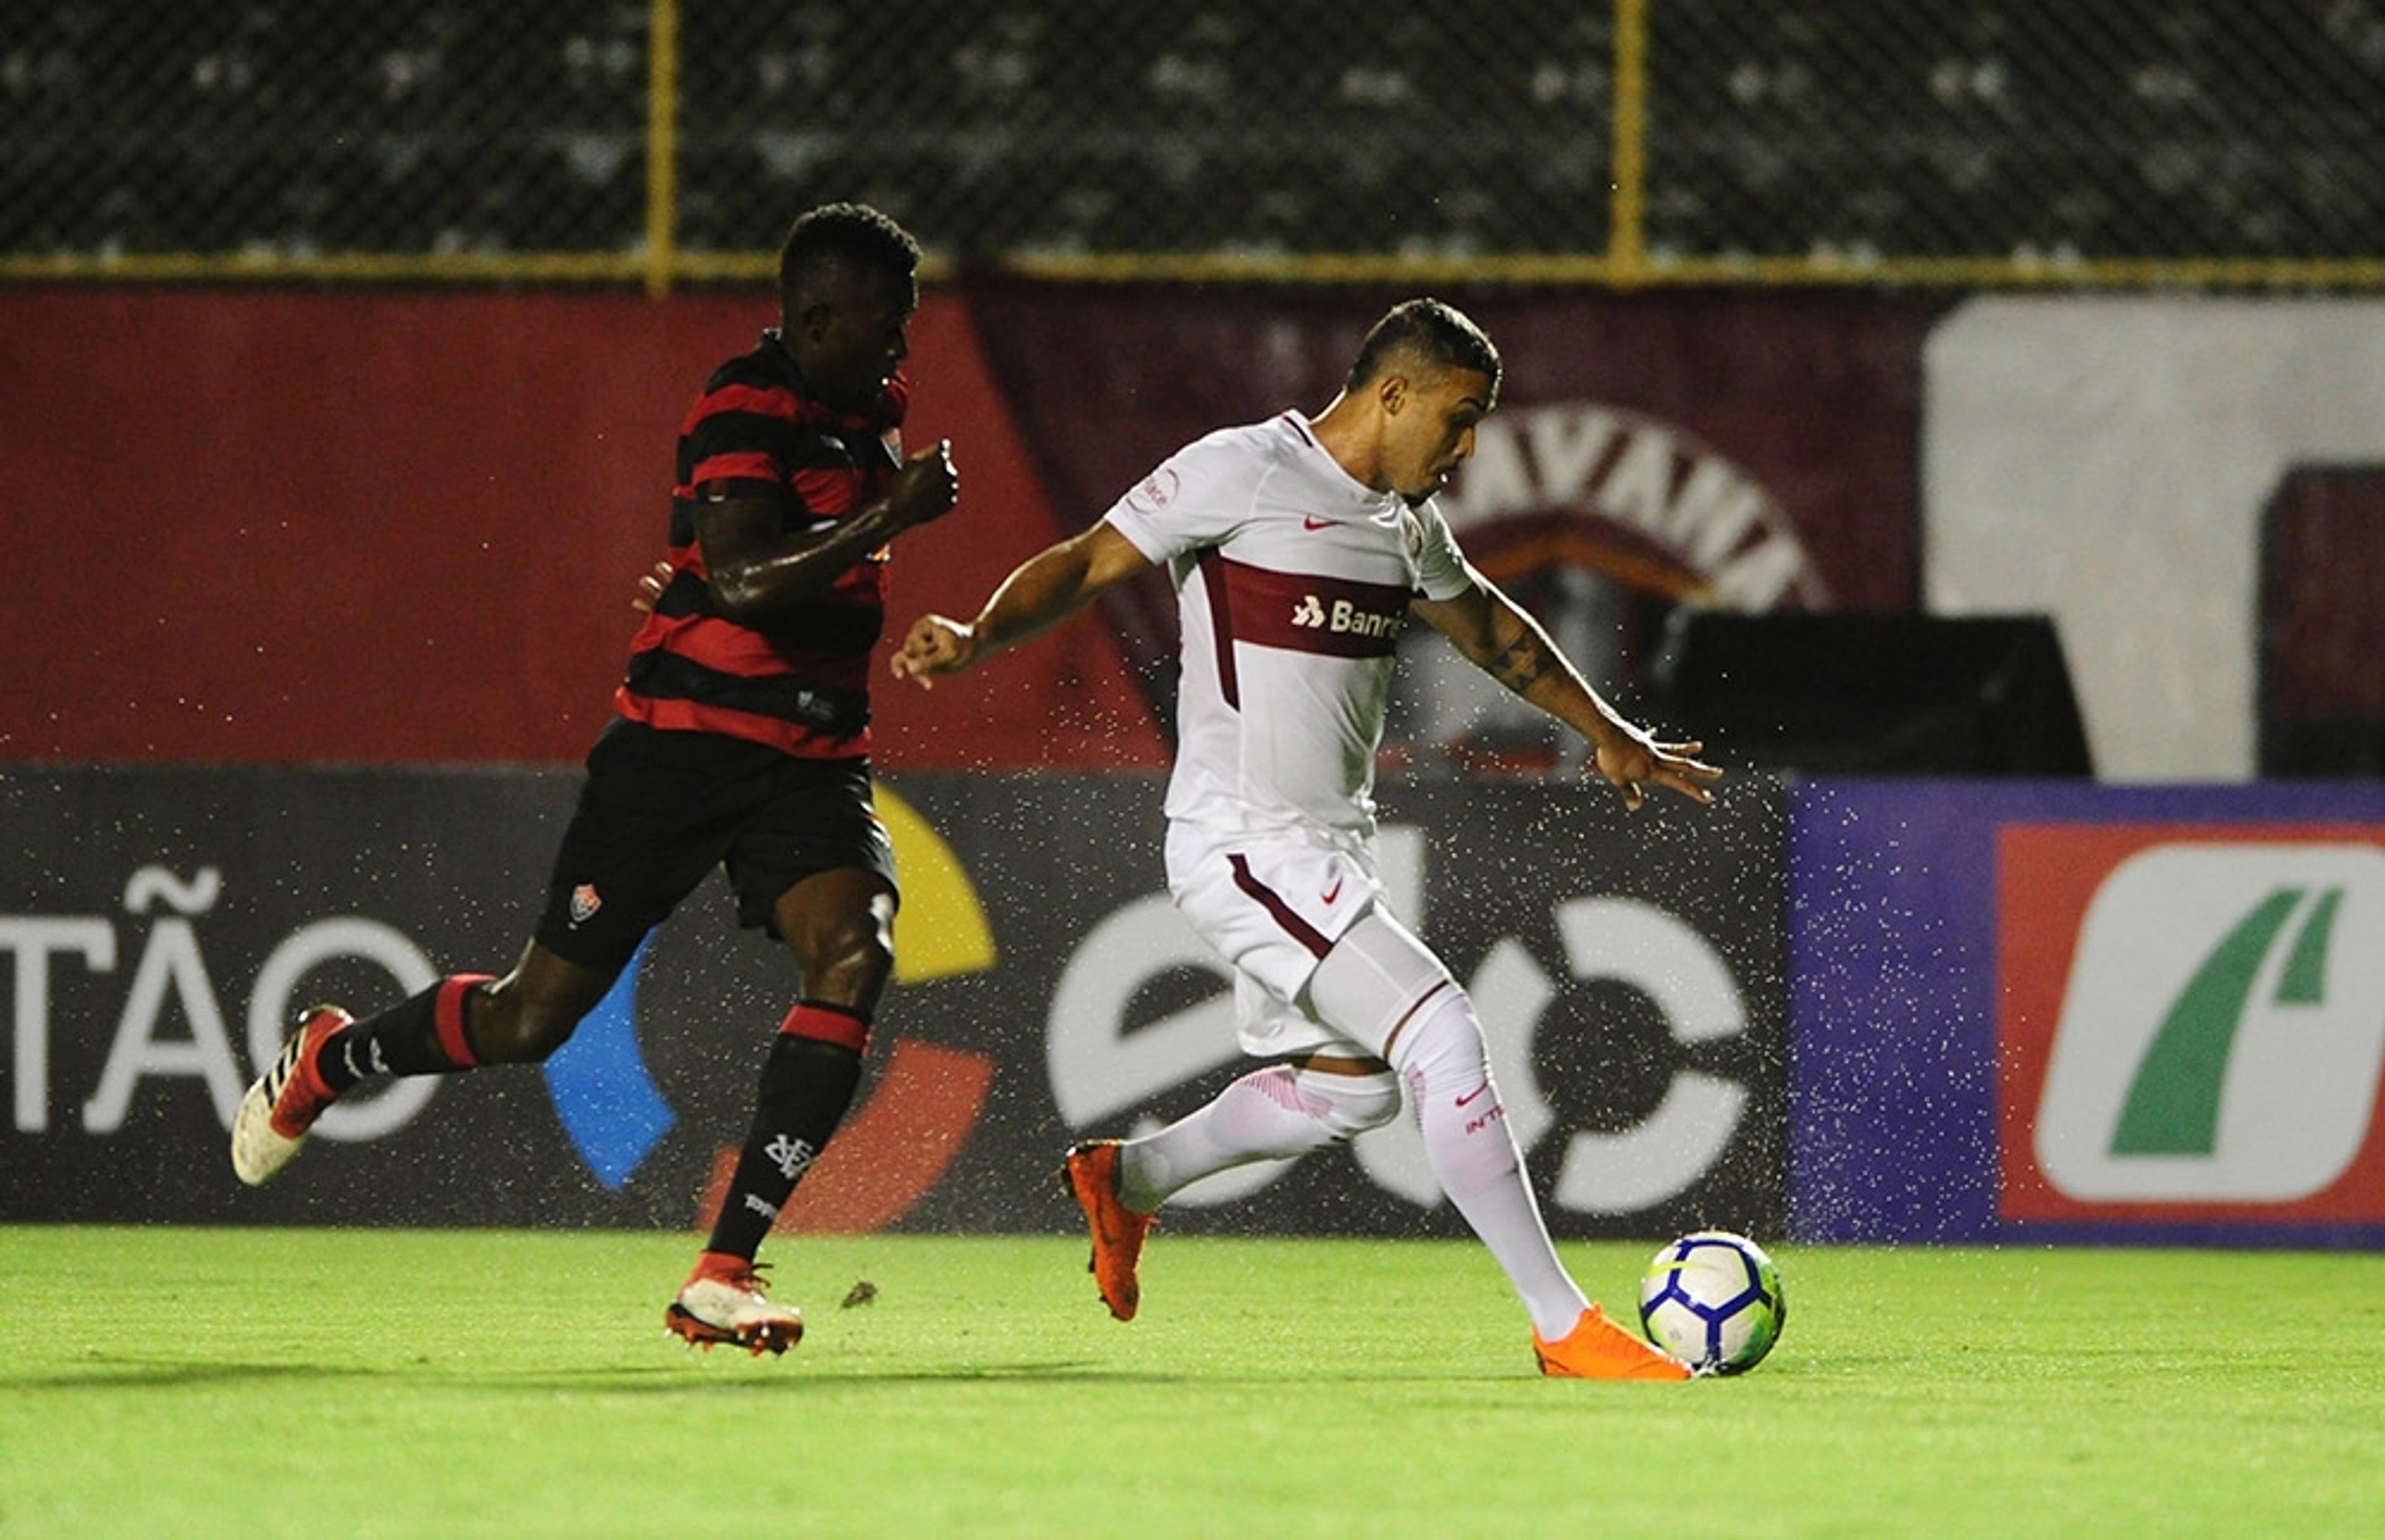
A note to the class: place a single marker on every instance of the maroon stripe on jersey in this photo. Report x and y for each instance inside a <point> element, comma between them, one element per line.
<point>1293,926</point>
<point>1222,623</point>
<point>1302,613</point>
<point>1304,433</point>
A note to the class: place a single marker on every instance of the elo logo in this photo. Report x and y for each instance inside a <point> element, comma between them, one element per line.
<point>1100,1068</point>
<point>2194,1022</point>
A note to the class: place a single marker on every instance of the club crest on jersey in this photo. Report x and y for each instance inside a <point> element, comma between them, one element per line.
<point>585,903</point>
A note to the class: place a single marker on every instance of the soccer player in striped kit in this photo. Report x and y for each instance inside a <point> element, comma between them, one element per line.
<point>1298,549</point>
<point>740,739</point>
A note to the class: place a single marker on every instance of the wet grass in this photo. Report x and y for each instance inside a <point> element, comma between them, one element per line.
<point>276,1382</point>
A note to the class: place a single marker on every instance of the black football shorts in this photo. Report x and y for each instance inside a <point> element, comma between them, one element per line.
<point>661,808</point>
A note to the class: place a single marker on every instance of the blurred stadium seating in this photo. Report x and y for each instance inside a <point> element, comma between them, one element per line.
<point>1860,137</point>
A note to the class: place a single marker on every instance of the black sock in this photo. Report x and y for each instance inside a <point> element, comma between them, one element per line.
<point>807,1085</point>
<point>422,1035</point>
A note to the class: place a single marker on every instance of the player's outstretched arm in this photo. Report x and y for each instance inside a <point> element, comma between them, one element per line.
<point>1046,589</point>
<point>1506,643</point>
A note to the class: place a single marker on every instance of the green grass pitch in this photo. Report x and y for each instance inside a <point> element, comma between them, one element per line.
<point>287,1382</point>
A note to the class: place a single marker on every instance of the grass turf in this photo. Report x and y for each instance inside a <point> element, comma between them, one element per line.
<point>263,1383</point>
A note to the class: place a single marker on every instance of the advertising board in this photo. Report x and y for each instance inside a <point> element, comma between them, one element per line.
<point>160,926</point>
<point>2071,1012</point>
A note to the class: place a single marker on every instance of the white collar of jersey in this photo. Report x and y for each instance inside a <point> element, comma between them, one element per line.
<point>1366,502</point>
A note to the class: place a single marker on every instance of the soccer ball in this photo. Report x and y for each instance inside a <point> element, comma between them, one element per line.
<point>1714,1299</point>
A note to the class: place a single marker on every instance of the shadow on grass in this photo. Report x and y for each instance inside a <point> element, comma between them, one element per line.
<point>120,1376</point>
<point>128,1375</point>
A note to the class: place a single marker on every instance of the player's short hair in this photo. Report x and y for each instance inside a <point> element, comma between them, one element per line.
<point>1427,329</point>
<point>842,240</point>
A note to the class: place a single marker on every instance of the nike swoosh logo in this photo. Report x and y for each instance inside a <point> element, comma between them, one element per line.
<point>1307,523</point>
<point>1335,891</point>
<point>1472,1094</point>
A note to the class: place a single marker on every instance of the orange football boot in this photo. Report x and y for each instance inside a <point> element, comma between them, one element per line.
<point>1599,1350</point>
<point>1118,1231</point>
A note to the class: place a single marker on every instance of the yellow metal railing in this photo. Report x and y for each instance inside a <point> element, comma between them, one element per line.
<point>662,145</point>
<point>1627,241</point>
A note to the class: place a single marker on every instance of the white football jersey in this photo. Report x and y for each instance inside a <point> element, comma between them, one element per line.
<point>1292,581</point>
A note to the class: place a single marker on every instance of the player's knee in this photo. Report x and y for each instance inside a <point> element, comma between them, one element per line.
<point>1443,1043</point>
<point>1348,1105</point>
<point>848,960</point>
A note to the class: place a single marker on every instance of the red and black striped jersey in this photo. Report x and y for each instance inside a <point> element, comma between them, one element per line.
<point>801,684</point>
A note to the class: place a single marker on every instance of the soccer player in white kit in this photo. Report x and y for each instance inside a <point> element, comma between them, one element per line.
<point>1298,549</point>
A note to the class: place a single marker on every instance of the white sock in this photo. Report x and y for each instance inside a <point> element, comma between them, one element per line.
<point>1475,1158</point>
<point>1270,1114</point>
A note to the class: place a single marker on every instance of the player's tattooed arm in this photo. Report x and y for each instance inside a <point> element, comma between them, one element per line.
<point>1504,642</point>
<point>1524,662</point>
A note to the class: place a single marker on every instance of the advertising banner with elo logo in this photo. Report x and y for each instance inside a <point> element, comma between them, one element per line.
<point>2090,1012</point>
<point>160,926</point>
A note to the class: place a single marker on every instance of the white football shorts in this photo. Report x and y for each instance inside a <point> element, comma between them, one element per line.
<point>1273,904</point>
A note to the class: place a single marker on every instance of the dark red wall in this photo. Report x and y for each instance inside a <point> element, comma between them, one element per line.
<point>282,527</point>
<point>285,527</point>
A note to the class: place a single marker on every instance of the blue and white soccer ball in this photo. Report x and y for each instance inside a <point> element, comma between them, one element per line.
<point>1714,1299</point>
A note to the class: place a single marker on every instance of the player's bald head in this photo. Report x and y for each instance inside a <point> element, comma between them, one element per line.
<point>1423,337</point>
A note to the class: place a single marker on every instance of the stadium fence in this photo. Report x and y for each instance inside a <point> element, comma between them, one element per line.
<point>1634,142</point>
